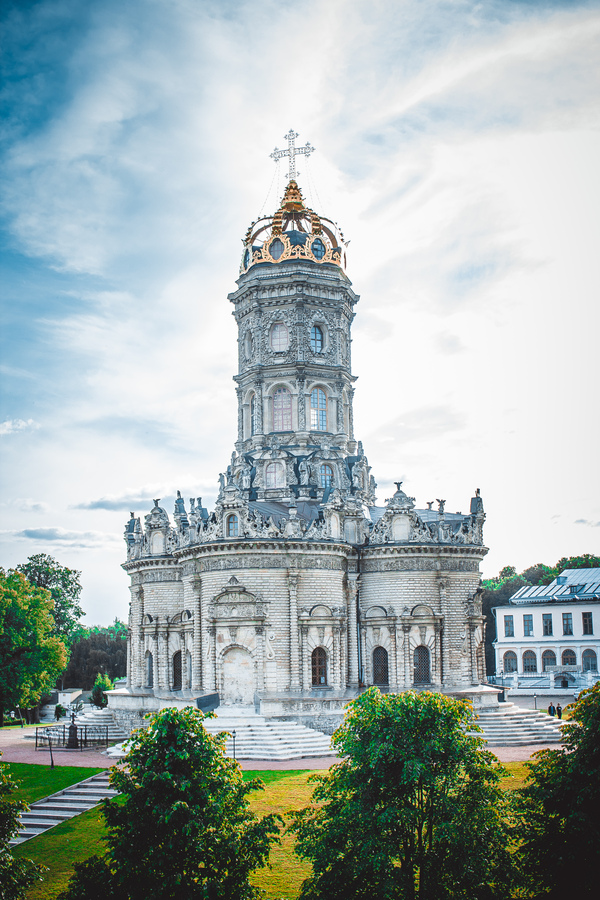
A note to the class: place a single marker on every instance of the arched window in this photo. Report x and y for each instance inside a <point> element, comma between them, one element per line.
<point>589,661</point>
<point>177,671</point>
<point>276,248</point>
<point>149,670</point>
<point>316,339</point>
<point>274,475</point>
<point>380,666</point>
<point>529,661</point>
<point>282,410</point>
<point>509,662</point>
<point>326,476</point>
<point>548,659</point>
<point>319,666</point>
<point>569,658</point>
<point>318,248</point>
<point>422,670</point>
<point>231,526</point>
<point>280,338</point>
<point>252,414</point>
<point>318,410</point>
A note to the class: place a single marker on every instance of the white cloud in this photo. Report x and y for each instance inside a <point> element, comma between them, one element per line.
<point>10,426</point>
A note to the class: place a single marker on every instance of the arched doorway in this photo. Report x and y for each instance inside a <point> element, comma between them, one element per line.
<point>239,682</point>
<point>319,667</point>
<point>422,666</point>
<point>177,671</point>
<point>380,666</point>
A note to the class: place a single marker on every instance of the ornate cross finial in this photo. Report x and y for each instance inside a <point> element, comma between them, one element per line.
<point>292,151</point>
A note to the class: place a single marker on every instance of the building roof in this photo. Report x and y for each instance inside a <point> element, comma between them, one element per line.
<point>571,585</point>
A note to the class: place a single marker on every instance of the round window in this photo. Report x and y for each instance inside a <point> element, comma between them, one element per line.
<point>318,248</point>
<point>276,248</point>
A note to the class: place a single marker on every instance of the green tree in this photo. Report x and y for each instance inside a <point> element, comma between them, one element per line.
<point>182,827</point>
<point>413,810</point>
<point>560,807</point>
<point>16,876</point>
<point>31,656</point>
<point>101,685</point>
<point>65,588</point>
<point>97,650</point>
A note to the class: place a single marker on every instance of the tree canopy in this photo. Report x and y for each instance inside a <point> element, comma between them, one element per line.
<point>16,876</point>
<point>31,655</point>
<point>413,790</point>
<point>65,588</point>
<point>182,827</point>
<point>560,811</point>
<point>101,650</point>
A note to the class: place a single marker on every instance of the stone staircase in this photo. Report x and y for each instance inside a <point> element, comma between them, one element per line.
<point>45,814</point>
<point>257,737</point>
<point>508,725</point>
<point>96,716</point>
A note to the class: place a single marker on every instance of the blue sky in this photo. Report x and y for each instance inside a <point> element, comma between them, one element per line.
<point>457,146</point>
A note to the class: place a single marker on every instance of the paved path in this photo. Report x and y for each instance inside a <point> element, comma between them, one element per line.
<point>16,748</point>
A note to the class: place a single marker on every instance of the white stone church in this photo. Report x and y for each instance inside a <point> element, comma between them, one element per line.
<point>297,589</point>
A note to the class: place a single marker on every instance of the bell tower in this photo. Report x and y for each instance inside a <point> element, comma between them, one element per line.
<point>294,308</point>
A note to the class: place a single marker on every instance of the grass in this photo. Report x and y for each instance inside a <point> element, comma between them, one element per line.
<point>37,781</point>
<point>285,790</point>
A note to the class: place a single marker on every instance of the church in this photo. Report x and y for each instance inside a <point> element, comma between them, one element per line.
<point>298,590</point>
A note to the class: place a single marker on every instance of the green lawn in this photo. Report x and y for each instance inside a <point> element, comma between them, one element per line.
<point>36,781</point>
<point>284,791</point>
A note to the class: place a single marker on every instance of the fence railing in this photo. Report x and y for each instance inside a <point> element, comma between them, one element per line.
<point>71,737</point>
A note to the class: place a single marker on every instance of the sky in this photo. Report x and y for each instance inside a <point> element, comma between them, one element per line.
<point>457,146</point>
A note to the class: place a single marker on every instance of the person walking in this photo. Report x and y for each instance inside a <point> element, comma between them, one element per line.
<point>551,709</point>
<point>559,711</point>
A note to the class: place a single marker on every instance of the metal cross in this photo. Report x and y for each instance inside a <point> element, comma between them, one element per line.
<point>291,151</point>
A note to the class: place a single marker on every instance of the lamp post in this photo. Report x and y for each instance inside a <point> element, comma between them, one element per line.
<point>535,701</point>
<point>233,736</point>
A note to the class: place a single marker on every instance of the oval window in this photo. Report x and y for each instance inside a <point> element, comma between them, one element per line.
<point>276,248</point>
<point>318,248</point>
<point>246,259</point>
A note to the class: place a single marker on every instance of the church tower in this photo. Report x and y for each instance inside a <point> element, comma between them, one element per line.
<point>297,589</point>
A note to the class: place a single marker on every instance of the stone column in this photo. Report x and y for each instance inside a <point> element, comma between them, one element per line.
<point>155,652</point>
<point>340,407</point>
<point>240,415</point>
<point>407,675</point>
<point>350,412</point>
<point>306,672</point>
<point>162,661</point>
<point>337,669</point>
<point>352,592</point>
<point>260,657</point>
<point>363,647</point>
<point>137,648</point>
<point>293,578</point>
<point>211,662</point>
<point>259,412</point>
<point>197,636</point>
<point>439,651</point>
<point>301,385</point>
<point>393,677</point>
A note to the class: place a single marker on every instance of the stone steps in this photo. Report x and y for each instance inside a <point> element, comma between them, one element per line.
<point>45,814</point>
<point>512,726</point>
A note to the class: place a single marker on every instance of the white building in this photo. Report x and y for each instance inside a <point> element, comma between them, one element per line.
<point>297,589</point>
<point>549,636</point>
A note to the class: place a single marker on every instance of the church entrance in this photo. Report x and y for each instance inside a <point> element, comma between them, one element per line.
<point>239,683</point>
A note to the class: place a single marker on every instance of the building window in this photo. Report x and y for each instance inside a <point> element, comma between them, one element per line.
<point>548,659</point>
<point>509,662</point>
<point>177,671</point>
<point>319,667</point>
<point>274,475</point>
<point>280,338</point>
<point>276,248</point>
<point>529,661</point>
<point>422,669</point>
<point>569,658</point>
<point>326,476</point>
<point>252,414</point>
<point>318,410</point>
<point>318,248</point>
<point>282,410</point>
<point>528,625</point>
<point>149,670</point>
<point>589,661</point>
<point>231,528</point>
<point>509,626</point>
<point>380,666</point>
<point>588,628</point>
<point>316,339</point>
<point>567,623</point>
<point>547,624</point>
